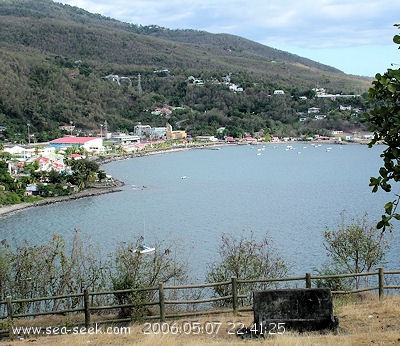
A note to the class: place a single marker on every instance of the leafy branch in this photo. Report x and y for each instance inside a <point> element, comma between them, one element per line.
<point>384,120</point>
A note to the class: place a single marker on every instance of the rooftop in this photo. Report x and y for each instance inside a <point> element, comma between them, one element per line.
<point>72,140</point>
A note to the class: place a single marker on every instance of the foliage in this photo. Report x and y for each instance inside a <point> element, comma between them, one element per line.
<point>384,120</point>
<point>51,183</point>
<point>59,268</point>
<point>84,172</point>
<point>129,269</point>
<point>55,59</point>
<point>48,270</point>
<point>246,258</point>
<point>354,248</point>
<point>334,284</point>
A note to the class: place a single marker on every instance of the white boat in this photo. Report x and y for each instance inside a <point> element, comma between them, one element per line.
<point>144,249</point>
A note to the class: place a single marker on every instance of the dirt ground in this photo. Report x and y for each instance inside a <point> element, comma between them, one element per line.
<point>364,321</point>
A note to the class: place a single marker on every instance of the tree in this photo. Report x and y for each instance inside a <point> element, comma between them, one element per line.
<point>62,269</point>
<point>129,269</point>
<point>246,258</point>
<point>354,248</point>
<point>384,120</point>
<point>85,172</point>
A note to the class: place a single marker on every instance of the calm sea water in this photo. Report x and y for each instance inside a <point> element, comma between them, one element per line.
<point>190,198</point>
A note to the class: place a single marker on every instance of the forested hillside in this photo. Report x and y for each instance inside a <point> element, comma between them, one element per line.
<point>54,60</point>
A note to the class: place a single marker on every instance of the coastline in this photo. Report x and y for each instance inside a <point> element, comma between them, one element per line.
<point>6,210</point>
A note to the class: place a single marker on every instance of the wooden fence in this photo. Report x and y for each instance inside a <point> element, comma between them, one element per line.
<point>168,308</point>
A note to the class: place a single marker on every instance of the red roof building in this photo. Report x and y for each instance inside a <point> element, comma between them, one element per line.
<point>90,144</point>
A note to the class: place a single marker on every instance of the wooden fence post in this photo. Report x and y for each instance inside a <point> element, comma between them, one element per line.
<point>10,318</point>
<point>161,296</point>
<point>381,279</point>
<point>234,295</point>
<point>308,280</point>
<point>86,306</point>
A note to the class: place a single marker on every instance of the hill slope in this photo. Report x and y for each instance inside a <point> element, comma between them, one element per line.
<point>54,59</point>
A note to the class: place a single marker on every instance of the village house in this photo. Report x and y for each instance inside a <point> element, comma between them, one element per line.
<point>249,139</point>
<point>19,151</point>
<point>206,139</point>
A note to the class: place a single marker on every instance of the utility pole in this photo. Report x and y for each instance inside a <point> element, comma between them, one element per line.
<point>29,135</point>
<point>140,90</point>
<point>105,128</point>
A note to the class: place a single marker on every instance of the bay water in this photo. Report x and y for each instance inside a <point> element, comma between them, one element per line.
<point>188,199</point>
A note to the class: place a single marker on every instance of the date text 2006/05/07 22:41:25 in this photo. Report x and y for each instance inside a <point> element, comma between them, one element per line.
<point>212,327</point>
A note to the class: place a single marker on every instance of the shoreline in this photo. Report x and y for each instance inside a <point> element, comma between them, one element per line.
<point>7,210</point>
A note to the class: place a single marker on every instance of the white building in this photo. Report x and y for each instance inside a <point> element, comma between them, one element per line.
<point>122,138</point>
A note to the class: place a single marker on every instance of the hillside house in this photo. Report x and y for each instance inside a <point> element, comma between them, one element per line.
<point>161,111</point>
<point>234,87</point>
<point>313,110</point>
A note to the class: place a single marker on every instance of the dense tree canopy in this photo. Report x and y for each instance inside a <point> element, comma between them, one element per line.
<point>55,59</point>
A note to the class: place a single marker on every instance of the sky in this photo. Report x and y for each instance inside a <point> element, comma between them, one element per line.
<point>354,36</point>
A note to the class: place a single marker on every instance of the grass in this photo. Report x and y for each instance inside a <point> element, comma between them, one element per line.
<point>363,321</point>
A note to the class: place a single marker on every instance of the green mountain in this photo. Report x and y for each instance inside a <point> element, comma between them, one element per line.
<point>57,63</point>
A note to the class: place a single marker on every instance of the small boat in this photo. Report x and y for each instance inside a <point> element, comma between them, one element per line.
<point>145,249</point>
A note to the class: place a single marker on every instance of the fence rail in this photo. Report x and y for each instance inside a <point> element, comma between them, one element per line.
<point>89,309</point>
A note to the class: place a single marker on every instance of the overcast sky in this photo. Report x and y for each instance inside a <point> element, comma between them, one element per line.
<point>355,36</point>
